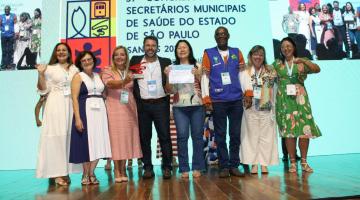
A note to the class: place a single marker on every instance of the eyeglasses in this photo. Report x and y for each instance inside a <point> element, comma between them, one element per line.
<point>86,60</point>
<point>222,34</point>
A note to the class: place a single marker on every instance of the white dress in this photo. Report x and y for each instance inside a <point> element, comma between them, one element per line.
<point>258,127</point>
<point>54,145</point>
<point>304,28</point>
<point>95,118</point>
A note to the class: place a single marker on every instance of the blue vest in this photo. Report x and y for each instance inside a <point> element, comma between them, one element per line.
<point>10,23</point>
<point>218,91</point>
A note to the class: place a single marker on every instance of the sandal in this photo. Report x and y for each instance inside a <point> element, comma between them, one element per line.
<point>305,166</point>
<point>254,169</point>
<point>196,174</point>
<point>94,180</point>
<point>61,182</point>
<point>185,175</point>
<point>292,168</point>
<point>264,170</point>
<point>85,180</point>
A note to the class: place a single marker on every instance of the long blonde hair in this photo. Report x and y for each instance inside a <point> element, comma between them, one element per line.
<point>113,66</point>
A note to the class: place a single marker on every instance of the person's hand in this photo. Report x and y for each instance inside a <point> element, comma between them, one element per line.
<point>38,123</point>
<point>41,68</point>
<point>79,125</point>
<point>298,60</point>
<point>247,102</point>
<point>167,70</point>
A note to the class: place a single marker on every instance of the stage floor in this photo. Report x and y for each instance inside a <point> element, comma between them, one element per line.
<point>334,176</point>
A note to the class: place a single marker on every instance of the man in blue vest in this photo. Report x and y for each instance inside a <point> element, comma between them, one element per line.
<point>7,22</point>
<point>222,63</point>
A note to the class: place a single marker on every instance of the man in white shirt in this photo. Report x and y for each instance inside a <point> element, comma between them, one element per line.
<point>153,105</point>
<point>339,26</point>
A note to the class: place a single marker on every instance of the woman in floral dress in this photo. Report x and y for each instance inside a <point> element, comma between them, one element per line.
<point>293,110</point>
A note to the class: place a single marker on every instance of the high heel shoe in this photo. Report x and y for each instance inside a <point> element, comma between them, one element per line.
<point>305,166</point>
<point>292,168</point>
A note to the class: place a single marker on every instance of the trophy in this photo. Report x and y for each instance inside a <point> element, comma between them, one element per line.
<point>138,69</point>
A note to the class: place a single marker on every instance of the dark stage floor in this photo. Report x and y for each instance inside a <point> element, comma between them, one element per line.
<point>334,176</point>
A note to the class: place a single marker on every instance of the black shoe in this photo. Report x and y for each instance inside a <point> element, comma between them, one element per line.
<point>166,173</point>
<point>224,173</point>
<point>148,174</point>
<point>236,172</point>
<point>285,158</point>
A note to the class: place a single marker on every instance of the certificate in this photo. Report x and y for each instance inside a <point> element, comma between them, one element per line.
<point>181,74</point>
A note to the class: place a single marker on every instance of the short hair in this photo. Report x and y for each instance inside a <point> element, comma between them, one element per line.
<point>151,37</point>
<point>255,49</point>
<point>80,56</point>
<point>221,27</point>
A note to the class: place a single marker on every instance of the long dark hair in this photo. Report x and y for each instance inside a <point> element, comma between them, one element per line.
<point>53,58</point>
<point>289,39</point>
<point>191,57</point>
<point>80,56</point>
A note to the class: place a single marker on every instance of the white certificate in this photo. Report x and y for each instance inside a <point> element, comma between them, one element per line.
<point>181,74</point>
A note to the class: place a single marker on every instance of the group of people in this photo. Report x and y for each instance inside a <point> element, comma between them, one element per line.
<point>326,31</point>
<point>89,116</point>
<point>20,40</point>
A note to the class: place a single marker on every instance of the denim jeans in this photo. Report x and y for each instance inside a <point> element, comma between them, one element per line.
<point>186,118</point>
<point>232,110</point>
<point>7,46</point>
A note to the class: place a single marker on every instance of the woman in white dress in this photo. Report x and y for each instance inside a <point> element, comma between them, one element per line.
<point>258,132</point>
<point>54,80</point>
<point>304,28</point>
<point>89,133</point>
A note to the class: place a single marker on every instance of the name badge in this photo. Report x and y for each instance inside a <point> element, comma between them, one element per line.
<point>257,92</point>
<point>291,89</point>
<point>152,87</point>
<point>7,28</point>
<point>259,81</point>
<point>95,104</point>
<point>124,97</point>
<point>67,91</point>
<point>225,78</point>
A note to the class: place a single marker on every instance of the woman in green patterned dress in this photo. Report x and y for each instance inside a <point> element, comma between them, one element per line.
<point>293,110</point>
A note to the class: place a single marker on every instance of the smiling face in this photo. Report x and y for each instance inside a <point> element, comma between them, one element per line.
<point>325,9</point>
<point>222,37</point>
<point>150,48</point>
<point>62,53</point>
<point>120,58</point>
<point>87,63</point>
<point>183,51</point>
<point>287,49</point>
<point>257,58</point>
<point>302,7</point>
<point>348,6</point>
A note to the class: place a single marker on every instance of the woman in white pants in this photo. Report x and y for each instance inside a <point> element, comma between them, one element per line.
<point>258,133</point>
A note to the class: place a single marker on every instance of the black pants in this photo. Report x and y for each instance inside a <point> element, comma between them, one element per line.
<point>7,46</point>
<point>159,113</point>
<point>30,58</point>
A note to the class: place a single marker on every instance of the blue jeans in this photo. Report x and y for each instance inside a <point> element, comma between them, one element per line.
<point>232,110</point>
<point>184,118</point>
<point>7,46</point>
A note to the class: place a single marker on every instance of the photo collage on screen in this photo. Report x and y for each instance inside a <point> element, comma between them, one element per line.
<point>322,30</point>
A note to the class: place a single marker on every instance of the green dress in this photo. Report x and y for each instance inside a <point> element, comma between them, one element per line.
<point>293,113</point>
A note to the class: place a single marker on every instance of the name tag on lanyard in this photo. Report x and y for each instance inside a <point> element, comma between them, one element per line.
<point>152,88</point>
<point>257,92</point>
<point>124,97</point>
<point>225,78</point>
